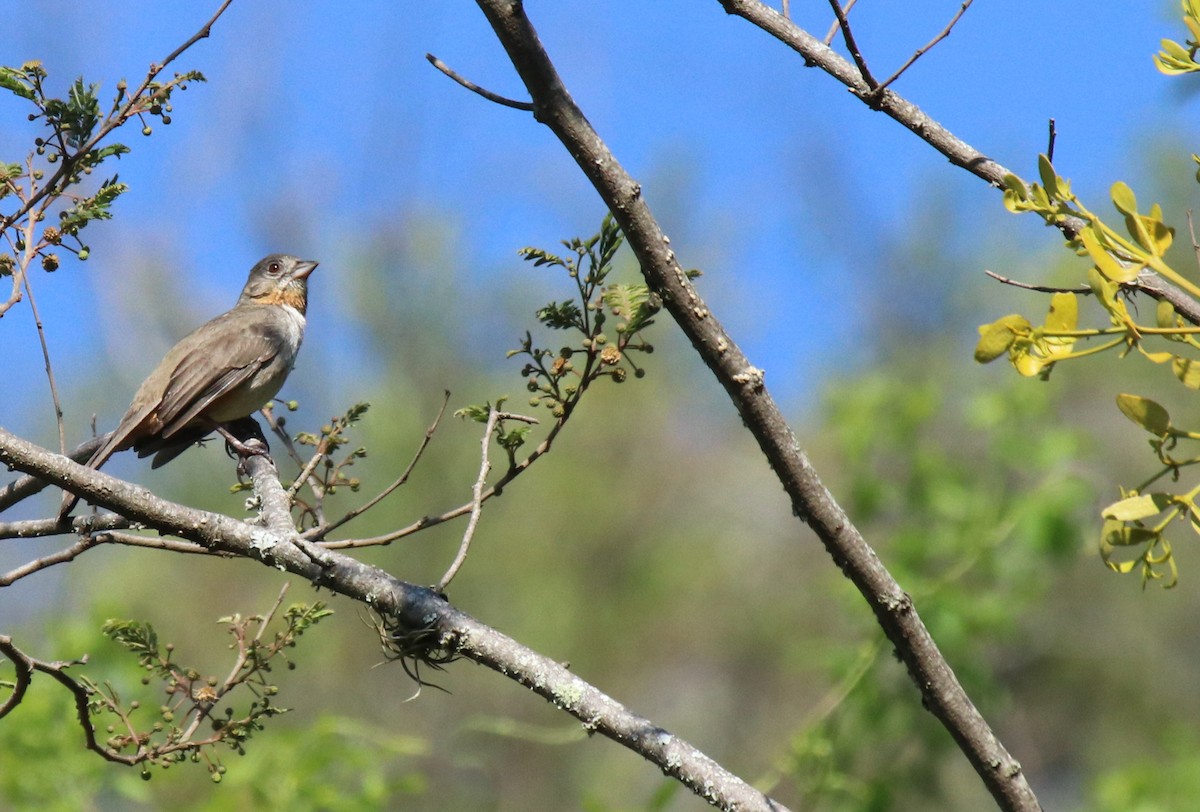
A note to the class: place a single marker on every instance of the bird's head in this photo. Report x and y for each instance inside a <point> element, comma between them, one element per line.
<point>279,279</point>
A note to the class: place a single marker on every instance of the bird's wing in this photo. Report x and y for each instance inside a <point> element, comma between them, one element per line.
<point>213,362</point>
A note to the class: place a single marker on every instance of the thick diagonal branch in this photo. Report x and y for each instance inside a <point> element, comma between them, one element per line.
<point>912,117</point>
<point>941,692</point>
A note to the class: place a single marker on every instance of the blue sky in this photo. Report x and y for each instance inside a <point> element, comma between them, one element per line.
<point>323,124</point>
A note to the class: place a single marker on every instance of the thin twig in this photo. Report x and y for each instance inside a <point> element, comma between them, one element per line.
<point>321,453</point>
<point>833,28</point>
<point>26,665</point>
<point>927,46</point>
<point>1083,289</point>
<point>852,46</point>
<point>41,333</point>
<point>429,521</point>
<point>77,549</point>
<point>485,466</point>
<point>157,543</point>
<point>1192,234</point>
<point>316,534</point>
<point>1052,139</point>
<point>469,85</point>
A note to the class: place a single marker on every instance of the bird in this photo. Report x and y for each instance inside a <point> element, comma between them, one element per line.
<point>221,373</point>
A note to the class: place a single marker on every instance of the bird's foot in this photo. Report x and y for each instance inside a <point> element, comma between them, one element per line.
<point>244,438</point>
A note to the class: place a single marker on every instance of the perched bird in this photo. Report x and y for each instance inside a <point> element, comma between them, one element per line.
<point>222,372</point>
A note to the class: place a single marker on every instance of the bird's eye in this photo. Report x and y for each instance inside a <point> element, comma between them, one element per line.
<point>274,268</point>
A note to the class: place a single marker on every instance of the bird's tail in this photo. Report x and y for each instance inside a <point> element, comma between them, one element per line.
<point>98,458</point>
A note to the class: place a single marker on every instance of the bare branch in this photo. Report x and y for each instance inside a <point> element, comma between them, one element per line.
<point>1082,289</point>
<point>485,466</point>
<point>469,85</point>
<point>852,46</point>
<point>835,25</point>
<point>1052,139</point>
<point>41,333</point>
<point>321,532</point>
<point>158,543</point>
<point>945,32</point>
<point>38,528</point>
<point>61,557</point>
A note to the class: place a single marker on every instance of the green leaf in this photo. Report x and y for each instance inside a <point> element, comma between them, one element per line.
<point>1064,312</point>
<point>1105,262</point>
<point>996,338</point>
<point>631,304</point>
<point>1187,371</point>
<point>477,411</point>
<point>1047,174</point>
<point>1143,506</point>
<point>1119,534</point>
<point>1106,294</point>
<point>561,316</point>
<point>1164,315</point>
<point>1146,413</point>
<point>1123,198</point>
<point>10,80</point>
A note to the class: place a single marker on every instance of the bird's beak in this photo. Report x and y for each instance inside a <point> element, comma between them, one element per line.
<point>303,268</point>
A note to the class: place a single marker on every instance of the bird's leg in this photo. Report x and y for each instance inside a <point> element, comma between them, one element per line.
<point>243,437</point>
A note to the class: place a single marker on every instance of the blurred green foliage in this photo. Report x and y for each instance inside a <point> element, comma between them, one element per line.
<point>653,551</point>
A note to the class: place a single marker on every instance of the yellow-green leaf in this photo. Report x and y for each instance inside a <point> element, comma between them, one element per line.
<point>1017,186</point>
<point>1105,262</point>
<point>1155,357</point>
<point>996,338</point>
<point>1187,371</point>
<point>1146,413</point>
<point>1123,198</point>
<point>1143,506</point>
<point>1162,235</point>
<point>1048,175</point>
<point>1193,26</point>
<point>1164,314</point>
<point>1064,312</point>
<point>1119,534</point>
<point>1028,364</point>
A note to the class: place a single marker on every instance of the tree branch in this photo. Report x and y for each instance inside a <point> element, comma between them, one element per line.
<point>410,606</point>
<point>941,692</point>
<point>924,49</point>
<point>908,115</point>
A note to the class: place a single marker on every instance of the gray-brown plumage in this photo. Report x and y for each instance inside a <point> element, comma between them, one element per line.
<point>222,372</point>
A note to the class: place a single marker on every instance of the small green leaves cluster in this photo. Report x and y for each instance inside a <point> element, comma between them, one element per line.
<point>556,377</point>
<point>603,325</point>
<point>510,433</point>
<point>1137,521</point>
<point>331,470</point>
<point>1117,258</point>
<point>197,717</point>
<point>72,149</point>
<point>1174,58</point>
